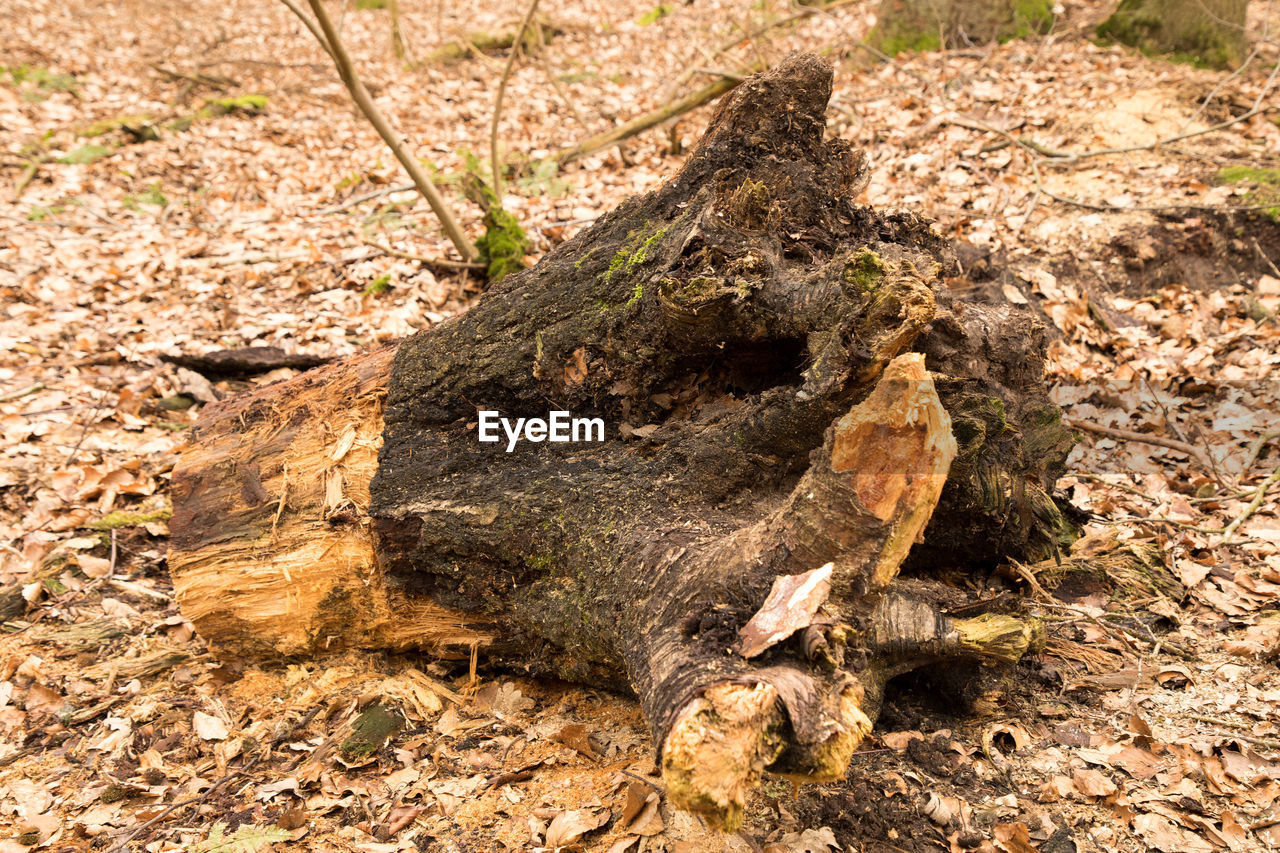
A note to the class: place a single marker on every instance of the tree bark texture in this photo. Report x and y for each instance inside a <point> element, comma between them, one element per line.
<point>914,25</point>
<point>789,392</point>
<point>1207,32</point>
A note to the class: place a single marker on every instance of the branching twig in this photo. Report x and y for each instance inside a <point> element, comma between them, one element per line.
<point>322,27</point>
<point>751,35</point>
<point>1255,449</point>
<point>22,392</point>
<point>649,119</point>
<point>725,82</point>
<point>174,807</point>
<point>1069,157</point>
<point>555,84</point>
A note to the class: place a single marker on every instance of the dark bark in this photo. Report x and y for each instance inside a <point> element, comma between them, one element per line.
<point>246,361</point>
<point>745,333</point>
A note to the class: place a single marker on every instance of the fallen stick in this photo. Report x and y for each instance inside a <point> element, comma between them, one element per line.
<point>1143,438</point>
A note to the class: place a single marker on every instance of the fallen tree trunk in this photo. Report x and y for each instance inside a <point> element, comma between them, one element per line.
<point>773,450</point>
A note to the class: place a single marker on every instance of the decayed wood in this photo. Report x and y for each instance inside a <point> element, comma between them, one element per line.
<point>268,538</point>
<point>753,329</point>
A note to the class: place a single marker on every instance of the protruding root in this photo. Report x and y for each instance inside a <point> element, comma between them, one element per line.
<point>906,633</point>
<point>998,637</point>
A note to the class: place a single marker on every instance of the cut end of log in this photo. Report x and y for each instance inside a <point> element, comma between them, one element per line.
<point>726,738</point>
<point>271,547</point>
<point>718,748</point>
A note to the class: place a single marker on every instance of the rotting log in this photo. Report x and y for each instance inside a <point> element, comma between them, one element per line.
<point>792,399</point>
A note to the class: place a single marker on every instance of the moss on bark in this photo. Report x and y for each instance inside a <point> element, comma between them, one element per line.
<point>921,25</point>
<point>1208,33</point>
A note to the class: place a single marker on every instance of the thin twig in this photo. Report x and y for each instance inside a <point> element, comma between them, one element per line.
<point>1068,157</point>
<point>330,41</point>
<point>1266,87</point>
<point>84,432</point>
<point>1144,438</point>
<point>440,263</point>
<point>807,11</point>
<point>1258,248</point>
<point>249,260</point>
<point>1258,741</point>
<point>560,91</point>
<point>174,807</point>
<point>361,199</point>
<point>1255,450</point>
<point>1259,496</point>
<point>22,392</point>
<point>28,174</point>
<point>516,44</point>
<point>1213,93</point>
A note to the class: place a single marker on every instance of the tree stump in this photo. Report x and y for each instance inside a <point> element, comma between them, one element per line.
<point>1205,32</point>
<point>788,392</point>
<point>915,25</point>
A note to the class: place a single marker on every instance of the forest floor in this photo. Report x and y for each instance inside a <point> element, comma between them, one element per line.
<point>154,206</point>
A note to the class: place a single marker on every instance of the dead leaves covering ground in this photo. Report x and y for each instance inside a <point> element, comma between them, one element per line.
<point>156,210</point>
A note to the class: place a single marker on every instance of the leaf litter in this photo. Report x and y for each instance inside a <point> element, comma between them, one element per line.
<point>181,228</point>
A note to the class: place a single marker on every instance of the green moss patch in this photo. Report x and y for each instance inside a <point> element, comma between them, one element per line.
<point>486,42</point>
<point>637,250</point>
<point>120,518</point>
<point>1266,193</point>
<point>922,25</point>
<point>35,83</point>
<point>1197,39</point>
<point>864,270</point>
<point>84,154</point>
<point>371,730</point>
<point>244,104</point>
<point>153,195</point>
<point>655,14</point>
<point>381,284</point>
<point>504,244</point>
<point>136,128</point>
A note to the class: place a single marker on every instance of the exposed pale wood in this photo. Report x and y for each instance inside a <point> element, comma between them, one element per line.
<point>288,566</point>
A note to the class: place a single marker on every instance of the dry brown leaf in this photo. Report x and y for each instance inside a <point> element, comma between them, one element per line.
<point>576,737</point>
<point>1006,737</point>
<point>791,605</point>
<point>1013,837</point>
<point>44,700</point>
<point>1162,834</point>
<point>502,699</point>
<point>575,369</point>
<point>93,567</point>
<point>208,727</point>
<point>623,844</point>
<point>1174,677</point>
<point>1092,783</point>
<point>568,826</point>
<point>898,740</point>
<point>1056,788</point>
<point>640,813</point>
